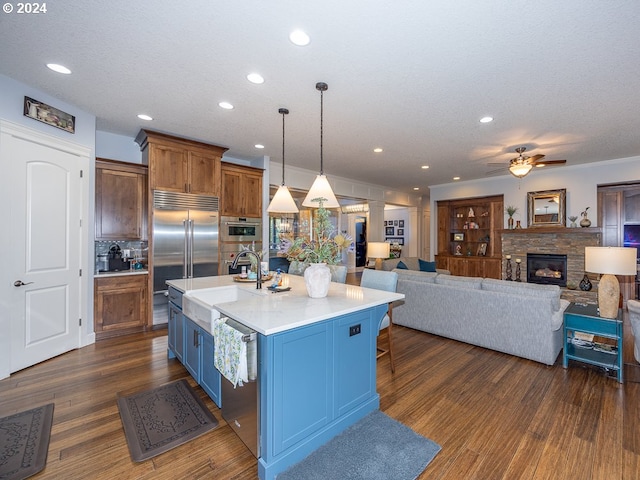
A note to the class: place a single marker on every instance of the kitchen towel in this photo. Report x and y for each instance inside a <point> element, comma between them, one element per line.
<point>230,352</point>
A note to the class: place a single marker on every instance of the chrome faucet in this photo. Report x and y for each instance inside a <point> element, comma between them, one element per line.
<point>247,252</point>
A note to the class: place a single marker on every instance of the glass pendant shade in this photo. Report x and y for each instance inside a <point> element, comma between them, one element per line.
<point>282,201</point>
<point>320,190</point>
<point>520,169</point>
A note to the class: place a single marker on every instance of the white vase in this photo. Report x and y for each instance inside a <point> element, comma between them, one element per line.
<point>317,278</point>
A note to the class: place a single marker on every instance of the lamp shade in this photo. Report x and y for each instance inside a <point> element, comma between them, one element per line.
<point>321,190</point>
<point>610,260</point>
<point>378,250</point>
<point>282,201</point>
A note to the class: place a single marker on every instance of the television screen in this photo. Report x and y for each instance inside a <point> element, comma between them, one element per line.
<point>632,238</point>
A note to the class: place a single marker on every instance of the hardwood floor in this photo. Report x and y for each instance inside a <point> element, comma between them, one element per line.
<point>496,416</point>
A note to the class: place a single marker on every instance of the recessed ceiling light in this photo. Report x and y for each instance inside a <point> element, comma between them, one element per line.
<point>142,116</point>
<point>259,145</point>
<point>424,167</point>
<point>225,105</point>
<point>486,119</point>
<point>456,178</point>
<point>377,150</point>
<point>416,188</point>
<point>255,78</point>
<point>298,37</point>
<point>58,68</point>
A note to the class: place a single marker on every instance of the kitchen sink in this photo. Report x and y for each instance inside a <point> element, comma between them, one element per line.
<point>201,304</point>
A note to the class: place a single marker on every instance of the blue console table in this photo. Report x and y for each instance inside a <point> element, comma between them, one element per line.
<point>584,318</point>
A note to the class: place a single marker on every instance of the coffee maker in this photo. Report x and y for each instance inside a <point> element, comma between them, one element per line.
<point>115,259</point>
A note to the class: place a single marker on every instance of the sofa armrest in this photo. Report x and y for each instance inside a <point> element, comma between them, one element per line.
<point>557,319</point>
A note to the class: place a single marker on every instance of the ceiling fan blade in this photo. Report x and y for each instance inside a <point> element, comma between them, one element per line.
<point>535,158</point>
<point>550,162</point>
<point>497,164</point>
<point>504,169</point>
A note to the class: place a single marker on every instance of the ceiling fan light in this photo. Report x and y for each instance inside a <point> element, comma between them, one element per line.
<point>520,169</point>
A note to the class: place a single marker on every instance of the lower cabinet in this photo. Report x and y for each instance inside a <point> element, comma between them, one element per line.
<point>194,347</point>
<point>120,305</point>
<point>487,267</point>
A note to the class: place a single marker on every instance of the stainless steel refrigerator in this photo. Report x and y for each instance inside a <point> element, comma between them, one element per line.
<point>185,242</point>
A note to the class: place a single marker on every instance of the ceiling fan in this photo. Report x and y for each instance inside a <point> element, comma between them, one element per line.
<point>522,164</point>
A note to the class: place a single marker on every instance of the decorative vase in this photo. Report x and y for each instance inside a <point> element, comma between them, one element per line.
<point>510,223</point>
<point>585,283</point>
<point>585,222</point>
<point>518,226</point>
<point>574,224</point>
<point>317,278</point>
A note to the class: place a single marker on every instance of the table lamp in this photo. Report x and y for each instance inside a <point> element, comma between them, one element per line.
<point>378,250</point>
<point>609,261</point>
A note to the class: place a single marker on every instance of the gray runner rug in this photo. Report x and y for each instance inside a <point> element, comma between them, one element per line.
<point>24,442</point>
<point>376,447</point>
<point>162,418</point>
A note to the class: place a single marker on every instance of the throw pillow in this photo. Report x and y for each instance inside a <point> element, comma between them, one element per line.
<point>402,266</point>
<point>427,266</point>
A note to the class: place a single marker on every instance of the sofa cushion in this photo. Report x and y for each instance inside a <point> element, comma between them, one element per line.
<point>402,266</point>
<point>552,292</point>
<point>426,266</point>
<point>457,281</point>
<point>417,275</point>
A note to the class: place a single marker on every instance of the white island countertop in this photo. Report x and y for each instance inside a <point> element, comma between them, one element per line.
<point>269,313</point>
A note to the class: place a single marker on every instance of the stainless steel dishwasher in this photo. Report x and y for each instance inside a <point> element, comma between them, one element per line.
<point>240,405</point>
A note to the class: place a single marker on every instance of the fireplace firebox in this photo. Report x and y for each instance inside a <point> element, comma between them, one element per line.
<point>547,269</point>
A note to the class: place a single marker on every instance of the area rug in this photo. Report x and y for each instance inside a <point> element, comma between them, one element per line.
<point>162,418</point>
<point>24,442</point>
<point>376,447</point>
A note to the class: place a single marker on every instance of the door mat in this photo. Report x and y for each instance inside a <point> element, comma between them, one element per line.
<point>375,447</point>
<point>24,442</point>
<point>162,418</point>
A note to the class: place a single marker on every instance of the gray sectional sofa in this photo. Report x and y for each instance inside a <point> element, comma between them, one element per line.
<point>521,319</point>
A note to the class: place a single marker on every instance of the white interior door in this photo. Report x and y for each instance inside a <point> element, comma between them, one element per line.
<point>44,236</point>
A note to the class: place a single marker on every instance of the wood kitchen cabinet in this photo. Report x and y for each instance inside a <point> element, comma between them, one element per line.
<point>181,165</point>
<point>120,305</point>
<point>121,200</point>
<point>241,191</point>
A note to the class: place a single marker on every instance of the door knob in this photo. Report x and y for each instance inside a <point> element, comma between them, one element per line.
<point>20,283</point>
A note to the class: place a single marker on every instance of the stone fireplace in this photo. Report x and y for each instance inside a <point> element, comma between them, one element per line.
<point>554,241</point>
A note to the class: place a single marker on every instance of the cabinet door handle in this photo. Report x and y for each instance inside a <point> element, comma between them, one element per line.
<point>195,338</point>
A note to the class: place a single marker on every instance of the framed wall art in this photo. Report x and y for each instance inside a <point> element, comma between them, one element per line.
<point>389,230</point>
<point>44,113</point>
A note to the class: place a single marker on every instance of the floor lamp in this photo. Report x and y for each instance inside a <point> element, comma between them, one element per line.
<point>378,250</point>
<point>609,261</point>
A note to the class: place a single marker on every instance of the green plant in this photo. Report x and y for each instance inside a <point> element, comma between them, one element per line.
<point>324,246</point>
<point>511,210</point>
<point>584,213</point>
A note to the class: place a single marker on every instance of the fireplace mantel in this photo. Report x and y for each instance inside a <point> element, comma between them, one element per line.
<point>536,230</point>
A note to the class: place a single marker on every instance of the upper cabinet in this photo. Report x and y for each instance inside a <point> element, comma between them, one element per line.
<point>241,191</point>
<point>121,205</point>
<point>180,165</point>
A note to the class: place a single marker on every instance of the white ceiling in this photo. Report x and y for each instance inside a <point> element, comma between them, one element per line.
<point>412,77</point>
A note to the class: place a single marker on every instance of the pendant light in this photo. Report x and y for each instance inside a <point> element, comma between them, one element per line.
<point>282,201</point>
<point>321,188</point>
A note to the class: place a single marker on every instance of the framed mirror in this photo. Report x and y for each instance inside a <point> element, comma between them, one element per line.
<point>547,208</point>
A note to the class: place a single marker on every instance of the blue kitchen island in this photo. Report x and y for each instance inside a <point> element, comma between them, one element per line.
<point>316,358</point>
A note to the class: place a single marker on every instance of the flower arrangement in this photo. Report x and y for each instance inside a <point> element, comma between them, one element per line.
<point>584,213</point>
<point>324,247</point>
